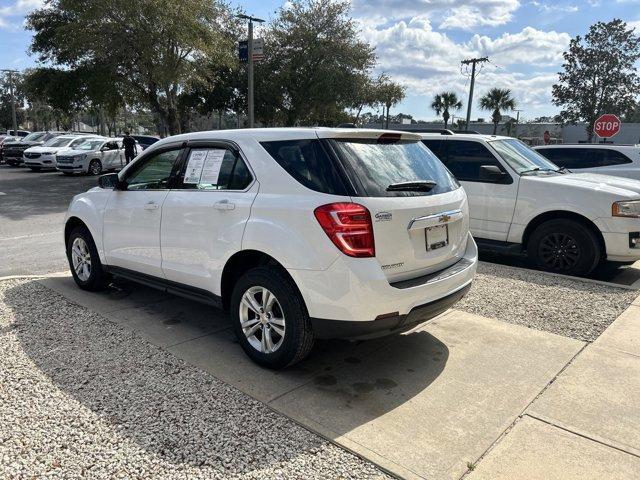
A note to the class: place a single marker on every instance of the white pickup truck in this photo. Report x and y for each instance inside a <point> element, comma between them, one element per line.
<point>520,201</point>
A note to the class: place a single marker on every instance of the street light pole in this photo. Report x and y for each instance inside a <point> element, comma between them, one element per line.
<point>250,66</point>
<point>13,100</point>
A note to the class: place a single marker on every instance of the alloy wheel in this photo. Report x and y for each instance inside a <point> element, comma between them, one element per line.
<point>81,258</point>
<point>262,319</point>
<point>559,251</point>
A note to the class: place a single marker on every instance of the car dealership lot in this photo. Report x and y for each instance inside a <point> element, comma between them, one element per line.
<point>152,383</point>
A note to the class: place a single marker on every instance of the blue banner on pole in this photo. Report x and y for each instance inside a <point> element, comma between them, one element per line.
<point>243,51</point>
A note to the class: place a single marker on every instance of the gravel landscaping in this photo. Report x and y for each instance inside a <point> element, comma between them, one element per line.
<point>80,397</point>
<point>573,308</point>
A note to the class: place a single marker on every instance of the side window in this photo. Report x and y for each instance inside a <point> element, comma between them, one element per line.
<point>154,172</point>
<point>308,163</point>
<point>605,157</point>
<point>214,169</point>
<point>464,159</point>
<point>570,158</point>
<point>435,146</point>
<point>111,145</point>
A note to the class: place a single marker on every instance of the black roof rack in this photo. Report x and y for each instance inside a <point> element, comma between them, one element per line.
<point>441,131</point>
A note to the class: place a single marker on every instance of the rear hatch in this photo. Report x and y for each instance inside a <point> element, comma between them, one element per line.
<point>418,210</point>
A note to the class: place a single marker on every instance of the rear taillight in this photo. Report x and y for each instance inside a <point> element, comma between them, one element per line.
<point>349,227</point>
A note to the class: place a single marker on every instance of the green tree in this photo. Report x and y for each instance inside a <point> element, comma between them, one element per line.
<point>443,103</point>
<point>6,109</point>
<point>388,94</point>
<point>314,61</point>
<point>496,100</point>
<point>599,74</point>
<point>153,47</point>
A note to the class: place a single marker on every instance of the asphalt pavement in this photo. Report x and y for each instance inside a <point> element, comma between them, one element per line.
<point>32,209</point>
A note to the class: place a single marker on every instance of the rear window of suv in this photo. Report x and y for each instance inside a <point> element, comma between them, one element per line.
<point>376,165</point>
<point>370,165</point>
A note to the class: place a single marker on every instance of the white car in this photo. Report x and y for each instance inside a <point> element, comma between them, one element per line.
<point>44,156</point>
<point>607,159</point>
<point>94,156</point>
<point>519,201</point>
<point>300,233</point>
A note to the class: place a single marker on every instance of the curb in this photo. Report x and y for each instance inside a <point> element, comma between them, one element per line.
<point>44,275</point>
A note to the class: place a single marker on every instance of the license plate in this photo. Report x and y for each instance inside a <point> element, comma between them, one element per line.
<point>437,237</point>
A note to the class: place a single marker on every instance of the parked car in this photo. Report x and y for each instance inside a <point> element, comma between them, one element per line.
<point>5,138</point>
<point>93,156</point>
<point>13,151</point>
<point>619,160</point>
<point>145,141</point>
<point>299,233</point>
<point>44,156</point>
<point>521,202</point>
<point>18,133</point>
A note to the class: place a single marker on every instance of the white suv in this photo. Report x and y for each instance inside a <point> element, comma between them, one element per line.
<point>44,156</point>
<point>607,159</point>
<point>519,201</point>
<point>94,156</point>
<point>300,233</point>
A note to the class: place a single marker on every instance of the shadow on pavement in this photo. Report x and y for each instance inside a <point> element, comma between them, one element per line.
<point>182,415</point>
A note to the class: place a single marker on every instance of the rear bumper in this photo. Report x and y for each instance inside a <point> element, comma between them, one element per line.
<point>324,328</point>
<point>356,290</point>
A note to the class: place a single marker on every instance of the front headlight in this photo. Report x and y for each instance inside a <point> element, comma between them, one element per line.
<point>626,208</point>
<point>79,157</point>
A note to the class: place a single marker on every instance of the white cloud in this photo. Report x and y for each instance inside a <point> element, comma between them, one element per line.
<point>427,61</point>
<point>12,16</point>
<point>450,12</point>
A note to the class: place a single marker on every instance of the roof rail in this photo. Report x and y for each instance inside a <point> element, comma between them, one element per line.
<point>441,131</point>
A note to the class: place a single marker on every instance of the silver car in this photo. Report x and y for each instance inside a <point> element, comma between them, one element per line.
<point>93,156</point>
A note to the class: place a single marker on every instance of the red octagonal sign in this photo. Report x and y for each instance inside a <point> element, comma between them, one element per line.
<point>607,125</point>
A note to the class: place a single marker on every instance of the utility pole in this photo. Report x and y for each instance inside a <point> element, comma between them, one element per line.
<point>472,62</point>
<point>13,99</point>
<point>250,65</point>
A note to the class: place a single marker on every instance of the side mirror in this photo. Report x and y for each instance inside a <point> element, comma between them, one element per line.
<point>110,181</point>
<point>491,173</point>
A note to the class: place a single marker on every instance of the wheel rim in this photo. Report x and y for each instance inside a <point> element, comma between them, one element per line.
<point>81,259</point>
<point>262,320</point>
<point>559,251</point>
<point>95,167</point>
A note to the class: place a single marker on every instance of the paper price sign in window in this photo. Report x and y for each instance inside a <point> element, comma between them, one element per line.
<point>204,167</point>
<point>211,169</point>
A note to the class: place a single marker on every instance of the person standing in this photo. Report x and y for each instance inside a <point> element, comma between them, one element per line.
<point>129,144</point>
<point>546,137</point>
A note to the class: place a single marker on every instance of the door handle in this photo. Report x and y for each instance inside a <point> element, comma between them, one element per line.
<point>224,205</point>
<point>151,206</point>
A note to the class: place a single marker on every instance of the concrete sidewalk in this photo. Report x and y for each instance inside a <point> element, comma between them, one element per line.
<point>420,405</point>
<point>586,425</point>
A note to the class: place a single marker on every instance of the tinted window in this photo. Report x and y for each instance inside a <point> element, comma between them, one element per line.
<point>566,157</point>
<point>111,145</point>
<point>464,159</point>
<point>436,146</point>
<point>214,169</point>
<point>377,165</point>
<point>152,173</point>
<point>308,162</point>
<point>606,157</point>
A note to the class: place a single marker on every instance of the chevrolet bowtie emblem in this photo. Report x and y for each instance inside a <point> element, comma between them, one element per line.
<point>444,218</point>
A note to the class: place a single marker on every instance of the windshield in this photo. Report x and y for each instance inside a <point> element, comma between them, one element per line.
<point>380,165</point>
<point>520,157</point>
<point>58,142</point>
<point>90,145</point>
<point>34,137</point>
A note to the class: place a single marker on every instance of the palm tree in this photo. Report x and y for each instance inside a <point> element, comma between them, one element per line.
<point>443,102</point>
<point>497,99</point>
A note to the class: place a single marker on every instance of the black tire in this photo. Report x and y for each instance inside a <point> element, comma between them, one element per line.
<point>11,164</point>
<point>95,167</point>
<point>35,169</point>
<point>564,246</point>
<point>298,338</point>
<point>98,278</point>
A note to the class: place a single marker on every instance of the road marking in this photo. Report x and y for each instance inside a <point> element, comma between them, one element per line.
<point>2,193</point>
<point>6,239</point>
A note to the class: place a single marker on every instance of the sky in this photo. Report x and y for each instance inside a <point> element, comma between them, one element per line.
<point>420,43</point>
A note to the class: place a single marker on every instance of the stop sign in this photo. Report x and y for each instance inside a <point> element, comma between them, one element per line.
<point>607,125</point>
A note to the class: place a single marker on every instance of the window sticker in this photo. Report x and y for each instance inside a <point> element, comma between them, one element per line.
<point>194,166</point>
<point>211,169</point>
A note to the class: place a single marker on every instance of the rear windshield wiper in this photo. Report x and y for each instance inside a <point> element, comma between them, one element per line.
<point>413,186</point>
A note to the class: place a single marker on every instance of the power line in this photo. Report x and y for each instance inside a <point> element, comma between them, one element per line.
<point>472,62</point>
